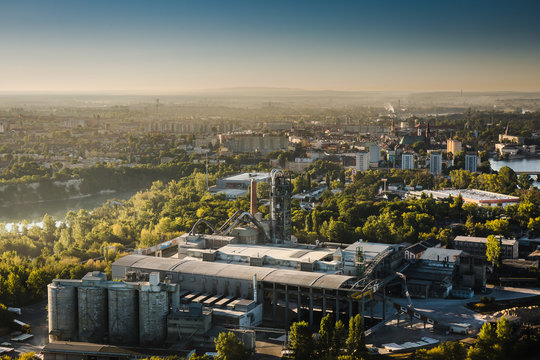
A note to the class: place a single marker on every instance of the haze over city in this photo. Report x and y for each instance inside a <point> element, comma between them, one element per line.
<point>178,46</point>
<point>248,180</point>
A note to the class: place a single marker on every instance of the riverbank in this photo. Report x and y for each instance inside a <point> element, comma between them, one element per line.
<point>33,212</point>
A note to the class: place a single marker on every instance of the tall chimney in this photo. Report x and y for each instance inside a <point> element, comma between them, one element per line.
<point>253,203</point>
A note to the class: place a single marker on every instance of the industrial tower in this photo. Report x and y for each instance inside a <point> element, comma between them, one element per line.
<point>280,204</point>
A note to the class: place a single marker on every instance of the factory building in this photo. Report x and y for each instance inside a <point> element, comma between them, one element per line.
<point>477,246</point>
<point>435,274</point>
<point>277,289</point>
<point>140,313</point>
<point>479,197</point>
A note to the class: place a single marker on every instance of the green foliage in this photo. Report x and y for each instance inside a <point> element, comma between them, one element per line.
<point>229,347</point>
<point>445,351</point>
<point>493,250</point>
<point>326,337</point>
<point>25,356</point>
<point>340,338</point>
<point>356,346</point>
<point>301,341</point>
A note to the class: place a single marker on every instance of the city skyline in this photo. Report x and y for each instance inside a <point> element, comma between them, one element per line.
<point>139,46</point>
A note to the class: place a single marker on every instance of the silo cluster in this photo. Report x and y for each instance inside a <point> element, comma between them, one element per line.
<point>96,310</point>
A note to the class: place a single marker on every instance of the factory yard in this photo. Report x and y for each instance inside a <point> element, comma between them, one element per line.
<point>443,310</point>
<point>36,316</point>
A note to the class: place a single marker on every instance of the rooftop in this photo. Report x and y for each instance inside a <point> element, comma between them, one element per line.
<point>233,271</point>
<point>369,250</point>
<point>472,195</point>
<point>257,176</point>
<point>275,252</point>
<point>481,240</point>
<point>440,254</point>
<point>87,348</point>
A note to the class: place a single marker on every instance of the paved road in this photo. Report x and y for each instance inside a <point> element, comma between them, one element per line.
<point>455,311</point>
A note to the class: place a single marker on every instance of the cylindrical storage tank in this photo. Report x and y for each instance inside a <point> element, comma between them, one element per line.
<point>62,312</point>
<point>123,315</point>
<point>153,310</point>
<point>92,314</point>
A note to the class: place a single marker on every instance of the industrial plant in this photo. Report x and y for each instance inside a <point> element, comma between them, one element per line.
<point>248,274</point>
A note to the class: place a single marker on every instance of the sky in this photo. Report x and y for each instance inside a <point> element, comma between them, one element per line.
<point>176,46</point>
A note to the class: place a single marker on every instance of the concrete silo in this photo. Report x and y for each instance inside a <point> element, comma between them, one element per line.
<point>153,310</point>
<point>63,317</point>
<point>92,313</point>
<point>123,306</point>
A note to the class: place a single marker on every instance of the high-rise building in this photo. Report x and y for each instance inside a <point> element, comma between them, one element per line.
<point>435,163</point>
<point>374,153</point>
<point>362,160</point>
<point>453,146</point>
<point>407,161</point>
<point>470,162</point>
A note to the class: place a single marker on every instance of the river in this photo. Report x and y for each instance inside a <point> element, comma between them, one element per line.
<point>517,165</point>
<point>34,212</point>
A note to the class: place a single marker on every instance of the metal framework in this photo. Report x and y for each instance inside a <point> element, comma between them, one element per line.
<point>280,212</point>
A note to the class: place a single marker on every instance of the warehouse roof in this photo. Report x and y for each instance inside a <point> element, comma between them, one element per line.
<point>233,271</point>
<point>275,252</point>
<point>440,254</point>
<point>257,176</point>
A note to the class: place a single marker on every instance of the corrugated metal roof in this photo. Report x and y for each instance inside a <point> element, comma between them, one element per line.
<point>233,271</point>
<point>329,281</point>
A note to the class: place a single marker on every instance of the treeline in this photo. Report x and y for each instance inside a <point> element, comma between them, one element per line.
<point>335,340</point>
<point>356,212</point>
<point>91,180</point>
<point>167,210</point>
<point>494,342</point>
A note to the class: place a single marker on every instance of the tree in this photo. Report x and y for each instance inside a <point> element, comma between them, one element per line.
<point>326,337</point>
<point>199,357</point>
<point>301,341</point>
<point>229,347</point>
<point>340,338</point>
<point>49,227</point>
<point>493,250</point>
<point>356,347</point>
<point>493,342</point>
<point>263,190</point>
<point>484,348</point>
<point>37,282</point>
<point>507,179</point>
<point>534,225</point>
<point>451,350</point>
<point>524,181</point>
<point>504,334</point>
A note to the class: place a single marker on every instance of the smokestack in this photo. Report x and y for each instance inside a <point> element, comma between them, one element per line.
<point>253,203</point>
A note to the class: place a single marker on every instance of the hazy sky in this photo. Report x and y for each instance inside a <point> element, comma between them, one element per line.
<point>167,46</point>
